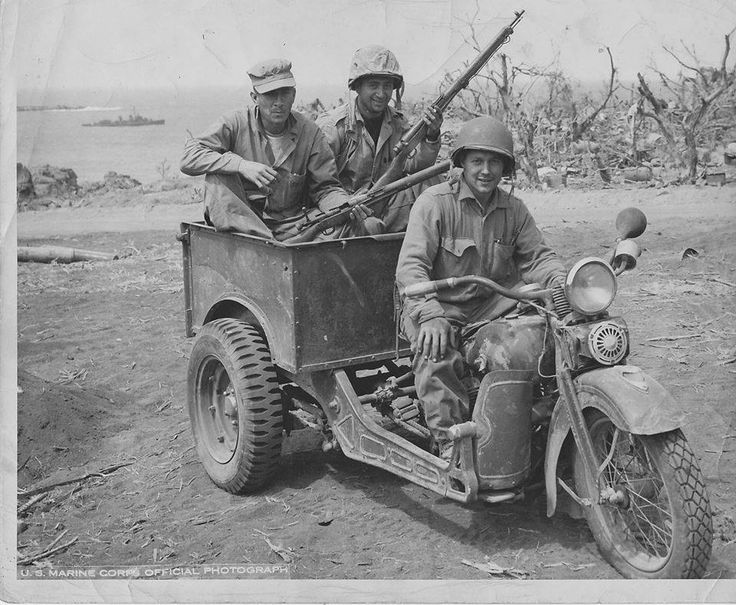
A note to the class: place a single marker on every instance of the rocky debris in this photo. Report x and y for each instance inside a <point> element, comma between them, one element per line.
<point>639,174</point>
<point>165,185</point>
<point>45,186</point>
<point>24,183</point>
<point>729,155</point>
<point>550,178</point>
<point>112,180</point>
<point>53,181</point>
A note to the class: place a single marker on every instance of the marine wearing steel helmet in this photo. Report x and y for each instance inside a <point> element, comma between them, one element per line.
<point>363,132</point>
<point>374,60</point>
<point>466,227</point>
<point>485,133</point>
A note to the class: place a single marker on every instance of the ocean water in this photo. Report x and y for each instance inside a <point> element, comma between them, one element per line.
<point>58,138</point>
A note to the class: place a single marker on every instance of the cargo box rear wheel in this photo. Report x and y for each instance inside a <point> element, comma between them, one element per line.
<point>234,405</point>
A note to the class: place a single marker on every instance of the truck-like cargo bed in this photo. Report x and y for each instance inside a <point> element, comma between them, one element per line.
<point>320,305</point>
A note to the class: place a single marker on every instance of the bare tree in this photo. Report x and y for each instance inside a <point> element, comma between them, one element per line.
<point>516,95</point>
<point>694,94</point>
<point>585,125</point>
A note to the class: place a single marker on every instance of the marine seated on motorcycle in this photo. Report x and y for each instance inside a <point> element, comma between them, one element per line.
<point>465,227</point>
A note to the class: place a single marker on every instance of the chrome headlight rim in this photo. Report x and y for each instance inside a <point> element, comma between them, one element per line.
<point>572,296</point>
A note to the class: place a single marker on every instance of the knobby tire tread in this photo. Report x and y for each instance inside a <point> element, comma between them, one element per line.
<point>693,544</point>
<point>697,505</point>
<point>261,441</point>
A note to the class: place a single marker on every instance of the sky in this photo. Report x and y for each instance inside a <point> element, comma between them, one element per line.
<point>175,44</point>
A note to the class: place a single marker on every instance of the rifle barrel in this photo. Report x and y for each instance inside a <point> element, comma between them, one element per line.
<point>408,181</point>
<point>461,82</point>
<point>309,229</point>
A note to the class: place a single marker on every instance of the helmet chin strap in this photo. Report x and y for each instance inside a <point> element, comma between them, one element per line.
<point>399,94</point>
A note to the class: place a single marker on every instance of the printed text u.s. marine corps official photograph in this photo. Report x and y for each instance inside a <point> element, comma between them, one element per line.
<point>340,290</point>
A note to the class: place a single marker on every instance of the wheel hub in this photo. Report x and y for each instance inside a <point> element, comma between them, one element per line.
<point>615,495</point>
<point>218,411</point>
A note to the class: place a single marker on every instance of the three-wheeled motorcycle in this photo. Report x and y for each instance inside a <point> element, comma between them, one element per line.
<point>307,333</point>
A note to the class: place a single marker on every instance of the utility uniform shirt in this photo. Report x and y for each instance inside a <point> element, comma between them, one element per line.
<point>450,235</point>
<point>306,172</point>
<point>360,161</point>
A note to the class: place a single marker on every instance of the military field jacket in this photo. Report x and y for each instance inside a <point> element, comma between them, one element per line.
<point>307,175</point>
<point>360,162</point>
<point>450,235</point>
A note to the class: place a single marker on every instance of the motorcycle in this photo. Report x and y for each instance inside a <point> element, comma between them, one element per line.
<point>634,474</point>
<point>587,425</point>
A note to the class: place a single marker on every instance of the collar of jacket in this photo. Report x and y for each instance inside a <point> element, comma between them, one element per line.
<point>500,198</point>
<point>353,115</point>
<point>293,127</point>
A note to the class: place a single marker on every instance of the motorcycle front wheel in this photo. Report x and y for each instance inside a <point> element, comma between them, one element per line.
<point>649,511</point>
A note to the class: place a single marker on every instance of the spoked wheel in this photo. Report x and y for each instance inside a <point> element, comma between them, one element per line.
<point>234,405</point>
<point>650,513</point>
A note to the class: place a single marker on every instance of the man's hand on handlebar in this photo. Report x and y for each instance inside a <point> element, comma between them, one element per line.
<point>435,336</point>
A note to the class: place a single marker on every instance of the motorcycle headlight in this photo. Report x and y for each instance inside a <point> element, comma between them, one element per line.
<point>590,286</point>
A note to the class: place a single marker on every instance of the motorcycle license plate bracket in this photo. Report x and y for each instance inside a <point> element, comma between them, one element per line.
<point>361,438</point>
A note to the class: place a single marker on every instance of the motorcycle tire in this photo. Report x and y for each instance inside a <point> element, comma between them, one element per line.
<point>234,405</point>
<point>656,522</point>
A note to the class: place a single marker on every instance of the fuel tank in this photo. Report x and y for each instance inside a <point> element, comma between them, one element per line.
<point>512,343</point>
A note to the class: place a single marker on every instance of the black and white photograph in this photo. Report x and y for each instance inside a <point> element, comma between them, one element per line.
<point>340,301</point>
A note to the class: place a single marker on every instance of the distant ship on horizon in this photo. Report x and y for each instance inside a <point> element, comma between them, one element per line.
<point>134,119</point>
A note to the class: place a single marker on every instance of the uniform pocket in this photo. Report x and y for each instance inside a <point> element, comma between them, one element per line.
<point>293,190</point>
<point>502,264</point>
<point>456,256</point>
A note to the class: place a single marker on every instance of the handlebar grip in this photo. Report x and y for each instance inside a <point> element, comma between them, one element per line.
<point>427,287</point>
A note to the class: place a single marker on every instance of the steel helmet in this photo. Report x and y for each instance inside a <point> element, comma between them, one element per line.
<point>486,134</point>
<point>374,60</point>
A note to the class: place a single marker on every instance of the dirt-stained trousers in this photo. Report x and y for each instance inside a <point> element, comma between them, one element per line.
<point>439,383</point>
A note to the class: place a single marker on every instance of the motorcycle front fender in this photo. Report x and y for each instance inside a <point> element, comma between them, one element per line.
<point>634,401</point>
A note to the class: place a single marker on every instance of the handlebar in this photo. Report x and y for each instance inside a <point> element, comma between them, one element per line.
<point>427,287</point>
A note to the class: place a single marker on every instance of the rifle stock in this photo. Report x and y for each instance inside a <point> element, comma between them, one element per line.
<point>322,221</point>
<point>411,137</point>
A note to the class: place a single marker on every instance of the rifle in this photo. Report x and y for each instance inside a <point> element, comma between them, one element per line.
<point>323,221</point>
<point>411,138</point>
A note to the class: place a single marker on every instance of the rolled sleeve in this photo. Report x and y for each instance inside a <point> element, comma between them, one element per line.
<point>209,152</point>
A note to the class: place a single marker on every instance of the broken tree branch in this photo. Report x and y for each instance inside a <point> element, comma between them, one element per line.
<point>102,473</point>
<point>31,502</point>
<point>591,118</point>
<point>48,551</point>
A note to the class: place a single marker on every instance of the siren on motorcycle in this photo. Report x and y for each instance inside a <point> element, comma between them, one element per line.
<point>590,286</point>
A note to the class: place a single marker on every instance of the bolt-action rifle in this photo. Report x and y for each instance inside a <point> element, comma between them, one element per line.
<point>416,133</point>
<point>324,221</point>
<point>390,182</point>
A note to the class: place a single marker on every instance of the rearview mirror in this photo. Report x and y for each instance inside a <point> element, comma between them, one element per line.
<point>630,222</point>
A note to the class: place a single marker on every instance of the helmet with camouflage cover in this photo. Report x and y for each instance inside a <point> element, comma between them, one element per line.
<point>374,60</point>
<point>485,134</point>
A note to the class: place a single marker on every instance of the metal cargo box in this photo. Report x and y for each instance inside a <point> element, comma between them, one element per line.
<point>321,305</point>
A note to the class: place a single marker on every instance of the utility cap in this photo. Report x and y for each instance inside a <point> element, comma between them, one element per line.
<point>271,74</point>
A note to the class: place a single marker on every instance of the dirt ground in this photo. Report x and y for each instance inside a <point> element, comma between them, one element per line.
<point>102,361</point>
